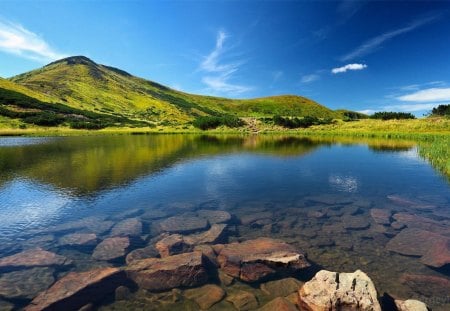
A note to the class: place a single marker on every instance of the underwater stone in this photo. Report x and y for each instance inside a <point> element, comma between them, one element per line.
<point>127,227</point>
<point>183,224</point>
<point>279,304</point>
<point>243,300</point>
<point>111,248</point>
<point>205,296</point>
<point>25,284</point>
<point>33,258</point>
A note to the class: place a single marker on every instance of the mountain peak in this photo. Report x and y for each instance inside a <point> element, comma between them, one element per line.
<point>75,60</point>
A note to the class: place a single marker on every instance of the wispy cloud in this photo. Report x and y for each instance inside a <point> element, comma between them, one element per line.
<point>17,40</point>
<point>310,78</point>
<point>427,95</point>
<point>219,73</point>
<point>372,44</point>
<point>348,67</point>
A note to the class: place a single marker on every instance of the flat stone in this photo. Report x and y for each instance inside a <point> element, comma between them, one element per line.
<point>183,224</point>
<point>75,290</point>
<point>214,235</point>
<point>92,224</point>
<point>25,284</point>
<point>419,222</point>
<point>381,216</point>
<point>128,213</point>
<point>154,214</point>
<point>427,285</point>
<point>111,248</point>
<point>438,254</point>
<point>410,305</point>
<point>33,258</point>
<point>78,239</point>
<point>355,222</point>
<point>279,304</point>
<point>339,291</point>
<point>158,274</point>
<point>329,199</point>
<point>128,227</point>
<point>251,218</point>
<point>205,296</point>
<point>171,245</point>
<point>316,214</point>
<point>243,300</point>
<point>397,225</point>
<point>402,201</point>
<point>255,259</point>
<point>413,242</point>
<point>225,279</point>
<point>281,288</point>
<point>214,216</point>
<point>141,253</point>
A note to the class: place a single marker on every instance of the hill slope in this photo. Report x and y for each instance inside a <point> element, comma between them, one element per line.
<point>80,83</point>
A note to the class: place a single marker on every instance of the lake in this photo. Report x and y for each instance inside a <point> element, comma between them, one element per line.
<point>374,205</point>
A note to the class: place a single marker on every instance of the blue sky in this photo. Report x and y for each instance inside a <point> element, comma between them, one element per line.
<point>360,55</point>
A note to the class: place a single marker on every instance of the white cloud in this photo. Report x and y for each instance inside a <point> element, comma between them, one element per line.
<point>372,44</point>
<point>427,95</point>
<point>348,67</point>
<point>17,40</point>
<point>367,111</point>
<point>410,107</point>
<point>310,78</point>
<point>219,73</point>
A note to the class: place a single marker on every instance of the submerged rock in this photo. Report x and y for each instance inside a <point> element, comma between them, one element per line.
<point>141,253</point>
<point>381,216</point>
<point>339,291</point>
<point>171,245</point>
<point>91,224</point>
<point>243,300</point>
<point>128,227</point>
<point>214,216</point>
<point>419,222</point>
<point>25,284</point>
<point>253,260</point>
<point>111,248</point>
<point>427,285</point>
<point>438,254</point>
<point>254,217</point>
<point>6,306</point>
<point>78,239</point>
<point>402,201</point>
<point>214,235</point>
<point>279,304</point>
<point>281,288</point>
<point>205,296</point>
<point>76,290</point>
<point>33,258</point>
<point>410,305</point>
<point>183,224</point>
<point>355,222</point>
<point>157,274</point>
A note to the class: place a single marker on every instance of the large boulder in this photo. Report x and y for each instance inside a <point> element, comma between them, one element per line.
<point>158,274</point>
<point>332,291</point>
<point>253,260</point>
<point>111,248</point>
<point>33,258</point>
<point>78,289</point>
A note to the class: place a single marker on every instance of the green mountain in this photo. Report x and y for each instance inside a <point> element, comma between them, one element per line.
<point>81,84</point>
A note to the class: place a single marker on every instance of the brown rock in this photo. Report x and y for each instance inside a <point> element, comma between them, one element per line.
<point>25,284</point>
<point>79,239</point>
<point>157,274</point>
<point>243,300</point>
<point>111,248</point>
<point>279,304</point>
<point>183,224</point>
<point>214,216</point>
<point>402,201</point>
<point>413,242</point>
<point>339,291</point>
<point>215,234</point>
<point>141,253</point>
<point>381,216</point>
<point>33,258</point>
<point>75,290</point>
<point>419,222</point>
<point>410,305</point>
<point>205,296</point>
<point>427,285</point>
<point>251,218</point>
<point>225,279</point>
<point>122,293</point>
<point>281,288</point>
<point>254,259</point>
<point>127,227</point>
<point>355,222</point>
<point>207,252</point>
<point>438,254</point>
<point>397,225</point>
<point>92,224</point>
<point>171,245</point>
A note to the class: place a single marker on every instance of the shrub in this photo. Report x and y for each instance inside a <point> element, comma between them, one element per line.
<point>299,122</point>
<point>384,115</point>
<point>441,110</point>
<point>211,122</point>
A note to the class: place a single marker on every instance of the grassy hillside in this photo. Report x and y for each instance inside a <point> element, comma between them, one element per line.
<point>80,83</point>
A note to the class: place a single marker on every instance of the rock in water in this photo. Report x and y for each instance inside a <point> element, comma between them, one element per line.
<point>332,291</point>
<point>157,274</point>
<point>279,304</point>
<point>214,217</point>
<point>75,290</point>
<point>413,242</point>
<point>183,224</point>
<point>281,288</point>
<point>381,216</point>
<point>33,258</point>
<point>438,255</point>
<point>111,248</point>
<point>171,245</point>
<point>243,300</point>
<point>205,296</point>
<point>25,284</point>
<point>78,239</point>
<point>128,227</point>
<point>410,305</point>
<point>253,260</point>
